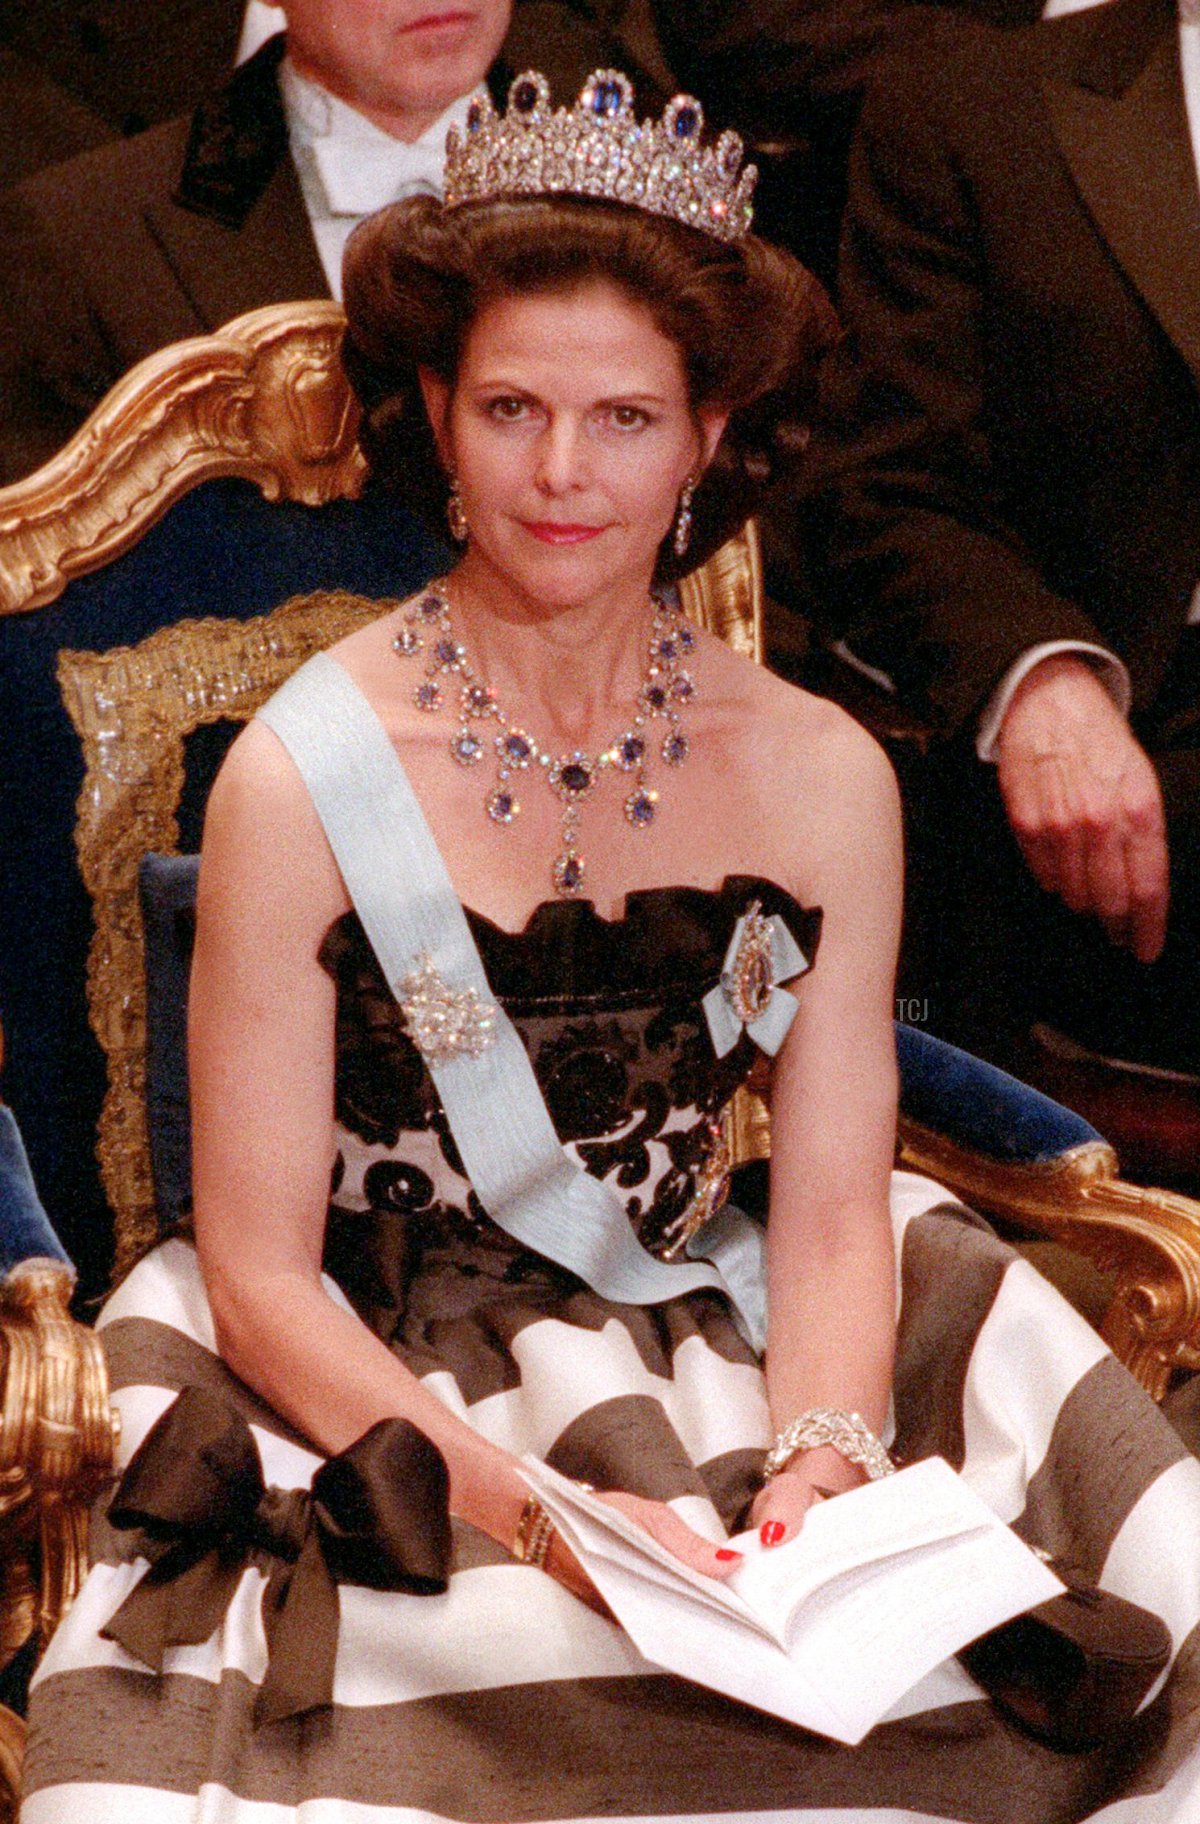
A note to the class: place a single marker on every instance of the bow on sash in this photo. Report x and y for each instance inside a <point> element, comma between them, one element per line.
<point>762,953</point>
<point>377,1515</point>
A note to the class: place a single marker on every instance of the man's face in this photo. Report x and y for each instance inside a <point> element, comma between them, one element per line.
<point>400,62</point>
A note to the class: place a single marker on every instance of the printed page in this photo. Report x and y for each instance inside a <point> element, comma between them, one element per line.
<point>856,1537</point>
<point>898,1576</point>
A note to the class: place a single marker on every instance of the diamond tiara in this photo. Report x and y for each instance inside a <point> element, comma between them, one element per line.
<point>599,148</point>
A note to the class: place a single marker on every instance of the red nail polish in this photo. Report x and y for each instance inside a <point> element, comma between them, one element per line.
<point>725,1555</point>
<point>771,1531</point>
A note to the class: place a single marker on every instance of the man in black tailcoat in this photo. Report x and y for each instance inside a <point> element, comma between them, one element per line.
<point>173,232</point>
<point>1007,485</point>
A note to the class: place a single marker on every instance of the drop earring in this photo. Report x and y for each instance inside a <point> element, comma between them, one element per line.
<point>456,514</point>
<point>683,519</point>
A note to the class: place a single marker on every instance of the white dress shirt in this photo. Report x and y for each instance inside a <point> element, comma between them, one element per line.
<point>348,167</point>
<point>259,22</point>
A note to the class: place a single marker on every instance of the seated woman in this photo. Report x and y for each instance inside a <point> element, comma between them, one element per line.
<point>513,1255</point>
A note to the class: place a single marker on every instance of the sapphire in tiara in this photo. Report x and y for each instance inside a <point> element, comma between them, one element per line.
<point>474,116</point>
<point>683,119</point>
<point>729,153</point>
<point>525,96</point>
<point>606,97</point>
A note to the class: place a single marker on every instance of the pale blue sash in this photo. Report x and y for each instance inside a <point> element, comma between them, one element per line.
<point>397,881</point>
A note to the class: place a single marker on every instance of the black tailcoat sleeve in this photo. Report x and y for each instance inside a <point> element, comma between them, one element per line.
<point>1010,440</point>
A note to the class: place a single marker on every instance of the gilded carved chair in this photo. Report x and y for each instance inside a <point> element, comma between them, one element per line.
<point>218,480</point>
<point>210,527</point>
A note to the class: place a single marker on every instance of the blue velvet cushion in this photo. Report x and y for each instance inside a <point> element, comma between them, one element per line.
<point>167,884</point>
<point>979,1107</point>
<point>959,1096</point>
<point>26,1232</point>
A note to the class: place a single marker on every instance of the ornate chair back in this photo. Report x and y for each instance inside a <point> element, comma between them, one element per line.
<point>218,480</point>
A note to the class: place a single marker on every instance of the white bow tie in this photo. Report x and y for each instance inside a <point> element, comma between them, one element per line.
<point>360,176</point>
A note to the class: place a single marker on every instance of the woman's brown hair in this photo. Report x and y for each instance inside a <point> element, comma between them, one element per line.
<point>749,321</point>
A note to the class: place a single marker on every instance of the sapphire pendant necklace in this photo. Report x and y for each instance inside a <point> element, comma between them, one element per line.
<point>483,727</point>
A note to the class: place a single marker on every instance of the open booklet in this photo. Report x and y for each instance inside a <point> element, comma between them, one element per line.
<point>830,1629</point>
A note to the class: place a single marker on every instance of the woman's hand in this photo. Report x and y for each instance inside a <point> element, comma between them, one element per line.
<point>562,1564</point>
<point>664,1525</point>
<point>814,1475</point>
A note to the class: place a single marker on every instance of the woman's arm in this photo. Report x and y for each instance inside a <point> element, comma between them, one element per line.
<point>261,1051</point>
<point>831,1270</point>
<point>261,1047</point>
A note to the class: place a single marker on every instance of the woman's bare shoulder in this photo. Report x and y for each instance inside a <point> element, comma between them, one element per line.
<point>263,841</point>
<point>811,730</point>
<point>257,782</point>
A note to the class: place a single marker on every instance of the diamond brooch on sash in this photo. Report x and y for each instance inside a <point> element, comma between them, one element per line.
<point>444,1023</point>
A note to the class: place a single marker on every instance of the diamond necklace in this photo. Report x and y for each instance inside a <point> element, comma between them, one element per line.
<point>666,687</point>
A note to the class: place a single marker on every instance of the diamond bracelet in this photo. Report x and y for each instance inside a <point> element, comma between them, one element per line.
<point>848,1432</point>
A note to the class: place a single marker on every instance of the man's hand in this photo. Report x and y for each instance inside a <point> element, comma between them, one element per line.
<point>1084,802</point>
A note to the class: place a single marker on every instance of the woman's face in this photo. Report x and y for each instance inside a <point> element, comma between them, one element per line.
<point>571,435</point>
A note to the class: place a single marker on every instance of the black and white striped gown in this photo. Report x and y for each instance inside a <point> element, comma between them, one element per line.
<point>506,1699</point>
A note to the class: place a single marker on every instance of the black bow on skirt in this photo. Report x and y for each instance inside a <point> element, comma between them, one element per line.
<point>376,1515</point>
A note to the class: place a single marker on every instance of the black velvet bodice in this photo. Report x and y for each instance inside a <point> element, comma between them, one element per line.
<point>610,1013</point>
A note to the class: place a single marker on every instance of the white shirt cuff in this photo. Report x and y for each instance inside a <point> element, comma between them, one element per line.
<point>1108,668</point>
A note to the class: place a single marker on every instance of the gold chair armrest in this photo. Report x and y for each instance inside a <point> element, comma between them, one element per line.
<point>12,1755</point>
<point>749,1126</point>
<point>58,1439</point>
<point>1148,1239</point>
